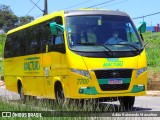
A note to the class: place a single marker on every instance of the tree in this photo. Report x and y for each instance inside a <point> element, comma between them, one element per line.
<point>8,19</point>
<point>25,19</point>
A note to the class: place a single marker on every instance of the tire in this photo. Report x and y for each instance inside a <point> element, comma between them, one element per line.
<point>22,96</point>
<point>126,103</point>
<point>25,98</point>
<point>59,94</point>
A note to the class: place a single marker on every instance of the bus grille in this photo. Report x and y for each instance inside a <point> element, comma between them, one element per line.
<point>119,73</point>
<point>107,87</point>
<point>101,74</point>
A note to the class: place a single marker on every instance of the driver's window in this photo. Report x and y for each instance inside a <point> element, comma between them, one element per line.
<point>58,40</point>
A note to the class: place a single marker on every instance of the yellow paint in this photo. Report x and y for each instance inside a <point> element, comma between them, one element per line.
<point>55,66</point>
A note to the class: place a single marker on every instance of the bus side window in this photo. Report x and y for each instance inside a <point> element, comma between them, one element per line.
<point>56,43</point>
<point>8,52</point>
<point>59,38</point>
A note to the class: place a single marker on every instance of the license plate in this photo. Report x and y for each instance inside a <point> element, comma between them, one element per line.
<point>115,81</point>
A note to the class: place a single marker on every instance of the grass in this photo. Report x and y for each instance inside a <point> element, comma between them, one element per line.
<point>68,109</point>
<point>12,107</point>
<point>152,50</point>
<point>153,55</point>
<point>49,105</point>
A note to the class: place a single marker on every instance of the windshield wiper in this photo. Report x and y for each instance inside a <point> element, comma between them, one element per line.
<point>130,46</point>
<point>107,49</point>
<point>98,45</point>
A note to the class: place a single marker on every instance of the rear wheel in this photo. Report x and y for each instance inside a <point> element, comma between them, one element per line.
<point>127,102</point>
<point>22,96</point>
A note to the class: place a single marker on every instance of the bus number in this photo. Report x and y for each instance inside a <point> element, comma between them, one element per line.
<point>82,81</point>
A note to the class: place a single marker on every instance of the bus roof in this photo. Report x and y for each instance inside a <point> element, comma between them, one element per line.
<point>94,12</point>
<point>69,13</point>
<point>36,21</point>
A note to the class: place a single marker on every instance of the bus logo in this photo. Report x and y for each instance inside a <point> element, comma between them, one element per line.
<point>32,64</point>
<point>113,62</point>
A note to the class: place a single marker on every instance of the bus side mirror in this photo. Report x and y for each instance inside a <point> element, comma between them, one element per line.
<point>142,27</point>
<point>54,26</point>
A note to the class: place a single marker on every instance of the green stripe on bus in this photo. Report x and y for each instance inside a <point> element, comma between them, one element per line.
<point>88,91</point>
<point>34,58</point>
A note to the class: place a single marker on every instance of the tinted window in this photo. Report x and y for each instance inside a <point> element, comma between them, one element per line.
<point>34,40</point>
<point>92,33</point>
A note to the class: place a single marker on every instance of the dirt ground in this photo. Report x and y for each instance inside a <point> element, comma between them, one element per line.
<point>153,76</point>
<point>153,81</point>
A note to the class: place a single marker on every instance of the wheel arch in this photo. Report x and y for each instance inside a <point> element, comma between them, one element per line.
<point>19,84</point>
<point>58,85</point>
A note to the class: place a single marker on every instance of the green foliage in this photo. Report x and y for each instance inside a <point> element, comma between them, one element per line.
<point>152,49</point>
<point>24,20</point>
<point>2,40</point>
<point>8,20</point>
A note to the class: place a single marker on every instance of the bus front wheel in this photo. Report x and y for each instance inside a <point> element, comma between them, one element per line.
<point>59,93</point>
<point>127,102</point>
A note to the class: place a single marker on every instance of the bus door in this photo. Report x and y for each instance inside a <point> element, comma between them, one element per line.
<point>54,63</point>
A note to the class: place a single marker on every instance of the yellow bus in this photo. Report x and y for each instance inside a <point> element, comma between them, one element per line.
<point>70,54</point>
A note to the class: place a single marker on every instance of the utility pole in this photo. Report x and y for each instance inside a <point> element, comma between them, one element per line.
<point>45,7</point>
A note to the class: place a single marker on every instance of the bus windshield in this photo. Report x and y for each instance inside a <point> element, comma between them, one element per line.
<point>102,33</point>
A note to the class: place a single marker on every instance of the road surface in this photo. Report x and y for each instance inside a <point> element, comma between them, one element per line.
<point>7,95</point>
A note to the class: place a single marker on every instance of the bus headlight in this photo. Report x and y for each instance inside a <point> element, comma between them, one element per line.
<point>81,72</point>
<point>140,71</point>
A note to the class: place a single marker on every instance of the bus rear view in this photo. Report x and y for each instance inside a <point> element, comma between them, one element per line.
<point>113,58</point>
